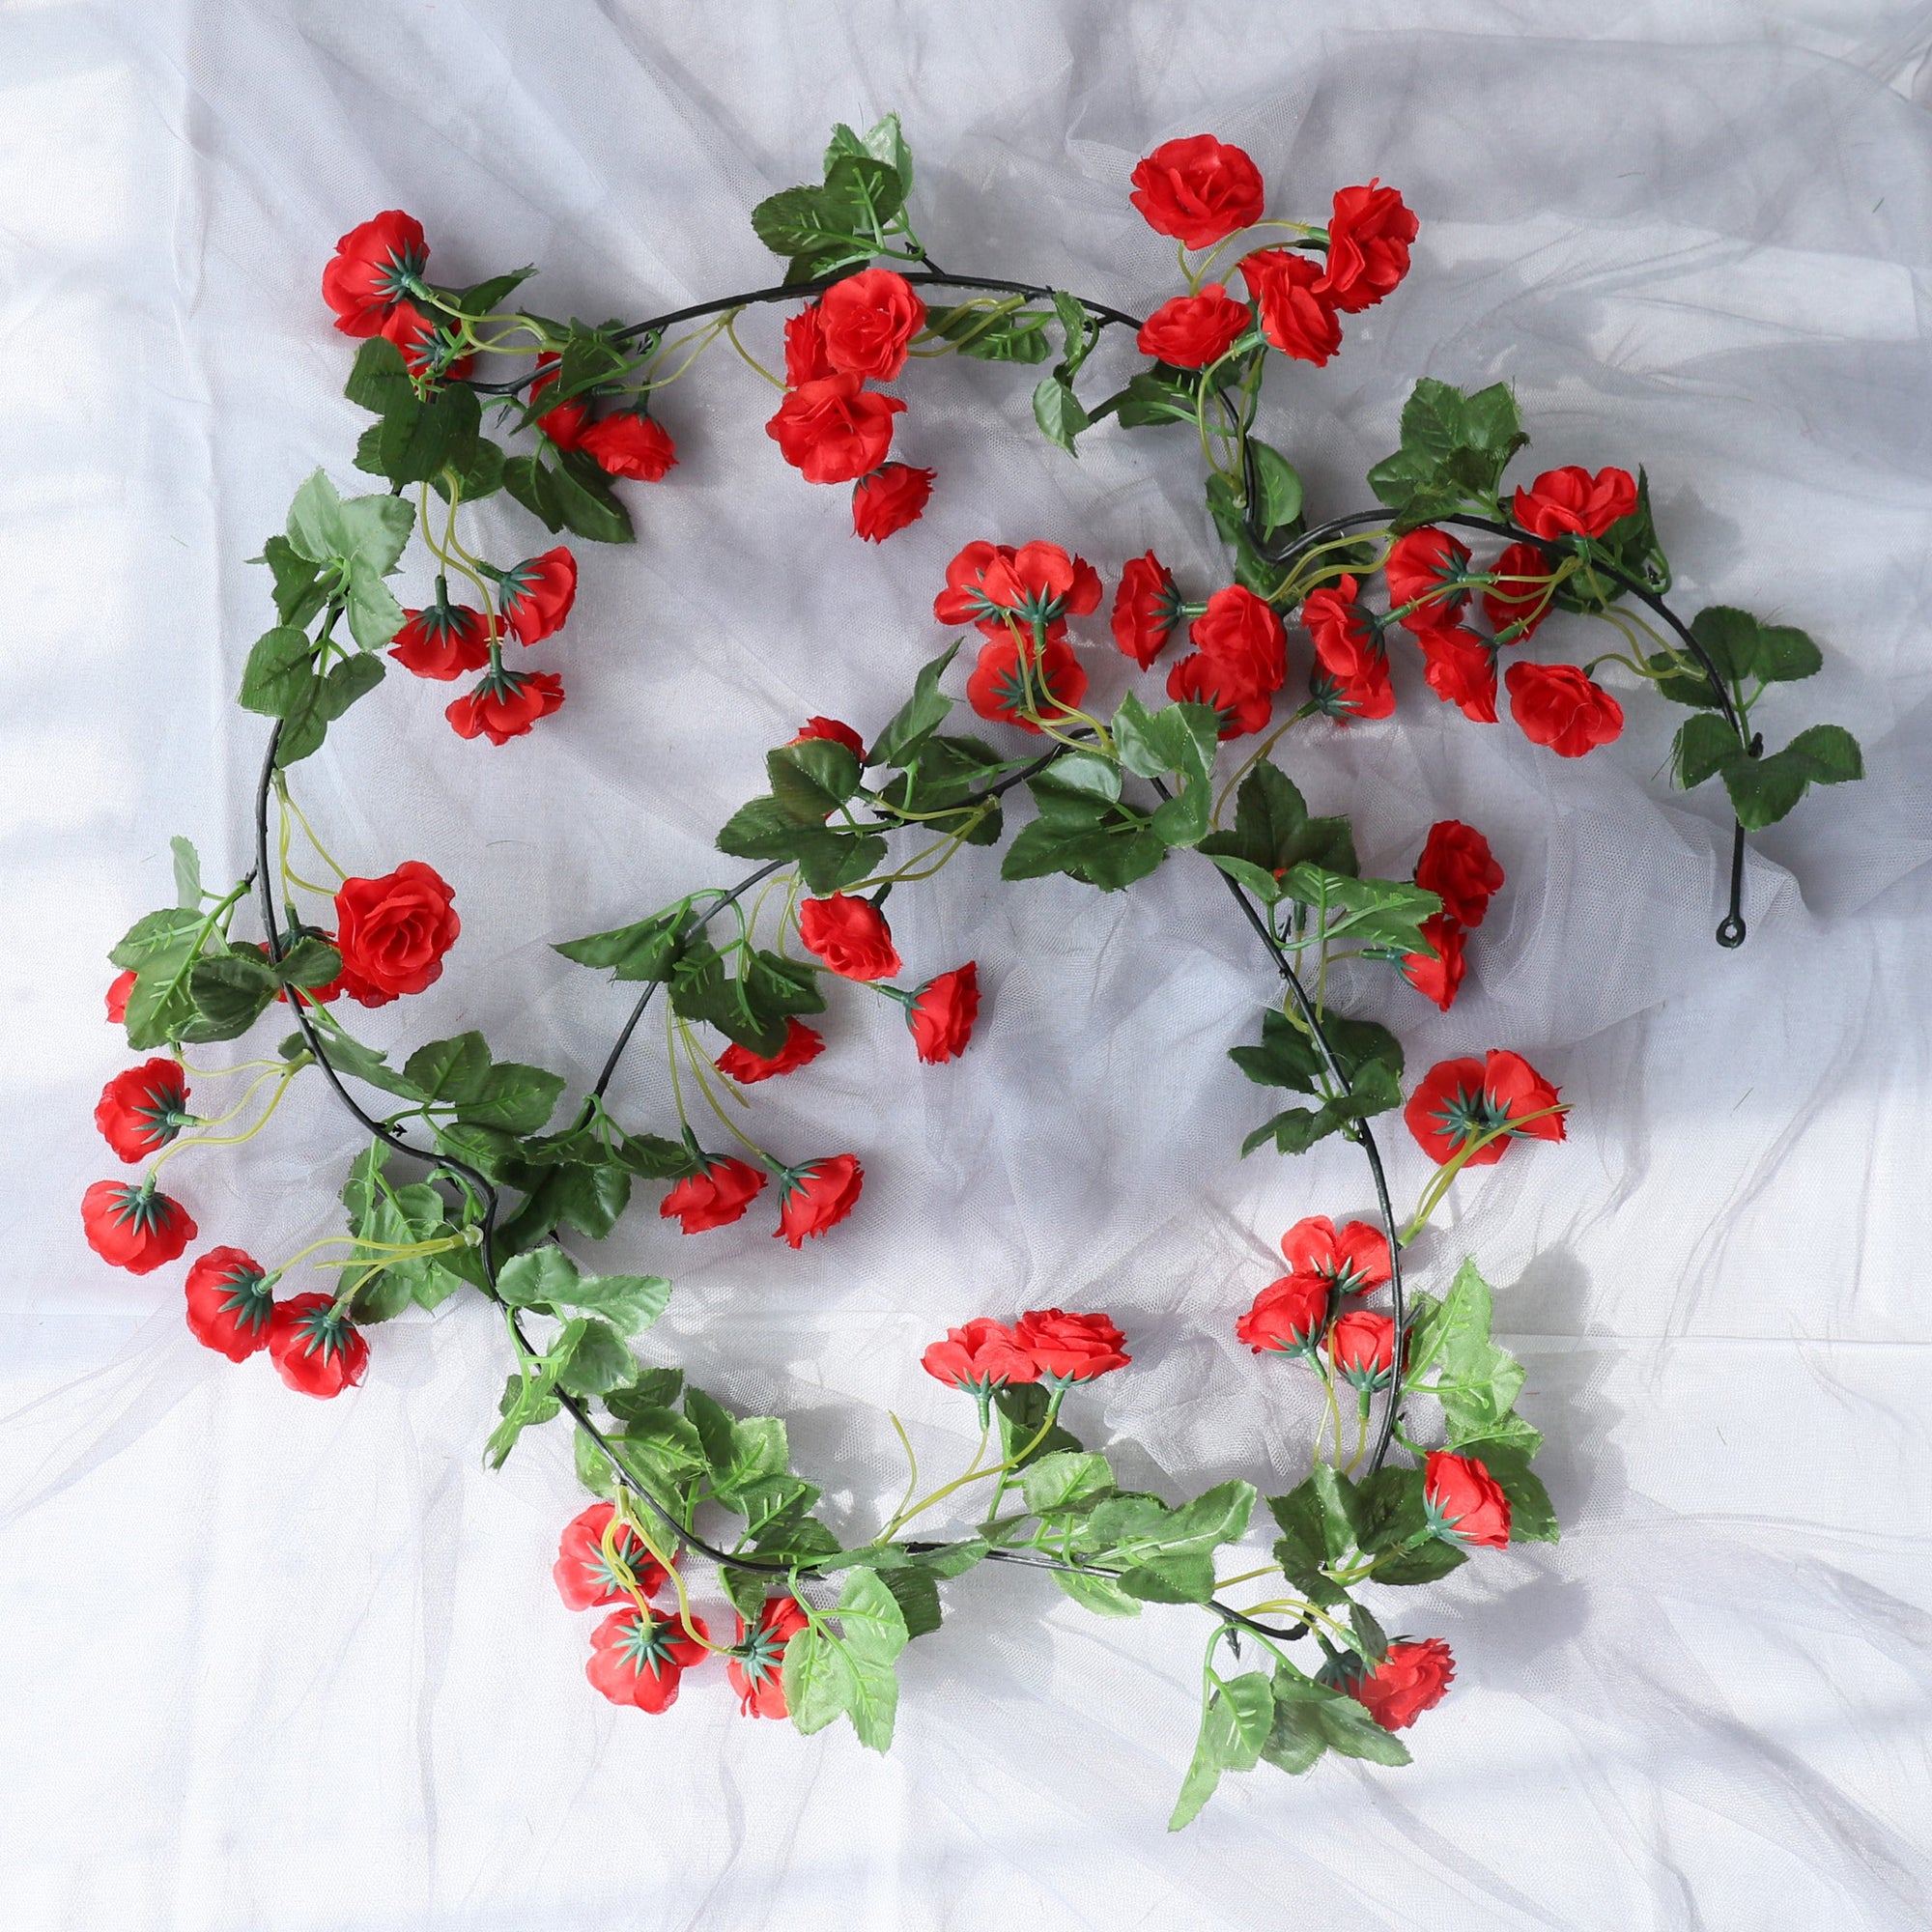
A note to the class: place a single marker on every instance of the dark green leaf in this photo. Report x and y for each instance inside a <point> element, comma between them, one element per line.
<point>921,714</point>
<point>1704,746</point>
<point>1057,409</point>
<point>277,675</point>
<point>645,951</point>
<point>298,593</point>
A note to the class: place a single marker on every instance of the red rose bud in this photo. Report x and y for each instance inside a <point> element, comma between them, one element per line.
<point>1464,1503</point>
<point>1436,971</point>
<point>392,932</point>
<point>376,265</point>
<point>1070,1347</point>
<point>1369,235</point>
<point>118,990</point>
<point>230,1300</point>
<point>1345,699</point>
<point>1572,502</point>
<point>537,595</point>
<point>1559,706</point>
<point>942,1013</point>
<point>850,935</point>
<point>992,584</point>
<point>836,733</point>
<point>443,641</point>
<point>1355,1260</point>
<point>817,1196</point>
<point>1242,638</point>
<point>566,423</point>
<point>630,445</point>
<point>1460,1099</point>
<point>1199,190</point>
<point>505,705</point>
<point>1016,682</point>
<point>636,1658</point>
<point>834,429</point>
<point>135,1228</point>
<point>757,1665</point>
<point>1297,317</point>
<point>314,1347</point>
<point>1287,1315</point>
<point>806,360</point>
<point>428,343</point>
<point>142,1109</point>
<point>1411,1678</point>
<point>1460,669</point>
<point>715,1196</point>
<point>984,1354</point>
<point>583,1571</point>
<point>802,1046</point>
<point>867,323</point>
<point>1191,331</point>
<point>1361,1350</point>
<point>1423,569</point>
<point>1146,607</point>
<point>889,499</point>
<point>1517,600</point>
<point>1459,867</point>
<point>1197,679</point>
<point>1346,642</point>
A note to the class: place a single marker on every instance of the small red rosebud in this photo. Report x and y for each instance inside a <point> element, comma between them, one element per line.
<point>942,1013</point>
<point>1146,607</point>
<point>1557,705</point>
<point>630,445</point>
<point>1191,331</point>
<point>536,595</point>
<point>443,641</point>
<point>834,429</point>
<point>817,1196</point>
<point>1369,235</point>
<point>1199,190</point>
<point>230,1302</point>
<point>1459,867</point>
<point>118,990</point>
<point>1361,1350</point>
<point>636,1658</point>
<point>506,704</point>
<point>802,1046</point>
<point>715,1196</point>
<point>392,932</point>
<point>1459,1099</point>
<point>1463,1501</point>
<point>1436,971</point>
<point>374,267</point>
<point>427,342</point>
<point>135,1228</point>
<point>1572,502</point>
<point>314,1347</point>
<point>867,323</point>
<point>1410,1679</point>
<point>982,1356</point>
<point>832,729</point>
<point>1355,1260</point>
<point>142,1109</point>
<point>1287,1315</point>
<point>583,1573</point>
<point>891,497</point>
<point>850,935</point>
<point>1297,316</point>
<point>1068,1348</point>
<point>756,1669</point>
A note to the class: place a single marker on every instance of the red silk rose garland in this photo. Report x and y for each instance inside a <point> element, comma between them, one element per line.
<point>1114,795</point>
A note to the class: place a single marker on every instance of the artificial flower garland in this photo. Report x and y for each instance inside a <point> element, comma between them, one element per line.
<point>1421,1458</point>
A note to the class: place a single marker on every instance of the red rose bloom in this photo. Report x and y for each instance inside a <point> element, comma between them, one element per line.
<point>983,1354</point>
<point>140,1111</point>
<point>834,730</point>
<point>1297,317</point>
<point>993,585</point>
<point>868,321</point>
<point>817,1196</point>
<point>1146,607</point>
<point>1013,679</point>
<point>1459,1099</point>
<point>585,1577</point>
<point>1436,971</point>
<point>1191,331</point>
<point>1200,190</point>
<point>1197,679</point>
<point>637,1660</point>
<point>1459,867</point>
<point>1572,502</point>
<point>316,1350</point>
<point>1361,1350</point>
<point>1242,638</point>
<point>1354,1260</point>
<point>942,1013</point>
<point>889,499</point>
<point>505,705</point>
<point>806,360</point>
<point>802,1046</point>
<point>630,445</point>
<point>374,267</point>
<point>1559,706</point>
<point>1460,669</point>
<point>1465,1502</point>
<point>757,1669</point>
<point>1422,569</point>
<point>537,595</point>
<point>428,343</point>
<point>565,424</point>
<point>443,641</point>
<point>715,1196</point>
<point>118,990</point>
<point>230,1300</point>
<point>1411,1678</point>
<point>1519,595</point>
<point>1070,1347</point>
<point>1287,1317</point>
<point>1369,234</point>
<point>834,429</point>
<point>135,1228</point>
<point>850,935</point>
<point>1345,640</point>
<point>393,931</point>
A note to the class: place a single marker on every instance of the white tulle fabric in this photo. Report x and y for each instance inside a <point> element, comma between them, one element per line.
<point>273,1662</point>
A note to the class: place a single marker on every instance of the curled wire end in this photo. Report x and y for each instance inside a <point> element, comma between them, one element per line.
<point>1731,930</point>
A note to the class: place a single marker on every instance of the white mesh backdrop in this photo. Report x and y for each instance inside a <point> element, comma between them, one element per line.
<point>276,1664</point>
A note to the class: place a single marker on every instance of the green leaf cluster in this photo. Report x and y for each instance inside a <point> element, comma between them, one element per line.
<point>193,985</point>
<point>843,222</point>
<point>1368,1054</point>
<point>1453,450</point>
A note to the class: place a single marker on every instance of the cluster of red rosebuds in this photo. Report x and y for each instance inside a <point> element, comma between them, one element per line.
<point>1051,1346</point>
<point>639,1653</point>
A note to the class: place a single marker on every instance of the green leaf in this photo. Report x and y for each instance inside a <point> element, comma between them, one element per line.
<point>450,1070</point>
<point>483,298</point>
<point>629,1302</point>
<point>1066,1479</point>
<point>1273,831</point>
<point>1390,1509</point>
<point>378,381</point>
<point>1703,747</point>
<point>310,962</point>
<point>645,951</point>
<point>481,476</point>
<point>1150,399</point>
<point>1320,1515</point>
<point>1288,1057</point>
<point>872,1633</point>
<point>655,1158</point>
<point>917,1593</point>
<point>1186,1577</point>
<point>1340,1723</point>
<point>542,1278</point>
<point>653,1389</point>
<point>1476,1381</point>
<point>1020,335</point>
<point>350,1056</point>
<point>298,595</point>
<point>1372,1089</point>
<point>534,487</point>
<point>589,506</point>
<point>812,780</point>
<point>920,716</point>
<point>1280,488</point>
<point>188,874</point>
<point>1057,409</point>
<point>157,939</point>
<point>517,1098</point>
<point>668,1437</point>
<point>526,1402</point>
<point>1532,1516</point>
<point>1235,1721</point>
<point>1763,790</point>
<point>230,990</point>
<point>1021,1410</point>
<point>1378,912</point>
<point>591,1357</point>
<point>1100,1594</point>
<point>591,1196</point>
<point>278,674</point>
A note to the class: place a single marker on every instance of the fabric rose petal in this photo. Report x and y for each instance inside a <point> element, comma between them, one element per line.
<point>441,641</point>
<point>1241,637</point>
<point>392,932</point>
<point>850,935</point>
<point>806,360</point>
<point>817,1196</point>
<point>1197,679</point>
<point>833,430</point>
<point>994,584</point>
<point>868,321</point>
<point>757,1665</point>
<point>1370,231</point>
<point>1557,705</point>
<point>889,499</point>
<point>230,1301</point>
<point>1572,502</point>
<point>118,990</point>
<point>135,1228</point>
<point>802,1044</point>
<point>140,1111</point>
<point>1459,1101</point>
<point>1460,669</point>
<point>942,1013</point>
<point>1410,1679</point>
<point>376,265</point>
<point>314,1347</point>
<point>1436,971</point>
<point>1199,190</point>
<point>1464,1503</point>
<point>715,1196</point>
<point>637,1659</point>
<point>566,423</point>
<point>1349,647</point>
<point>630,445</point>
<point>1146,607</point>
<point>1068,1347</point>
<point>427,343</point>
<point>1459,867</point>
<point>506,704</point>
<point>1191,331</point>
<point>583,1571</point>
<point>536,594</point>
<point>1287,1315</point>
<point>1297,316</point>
